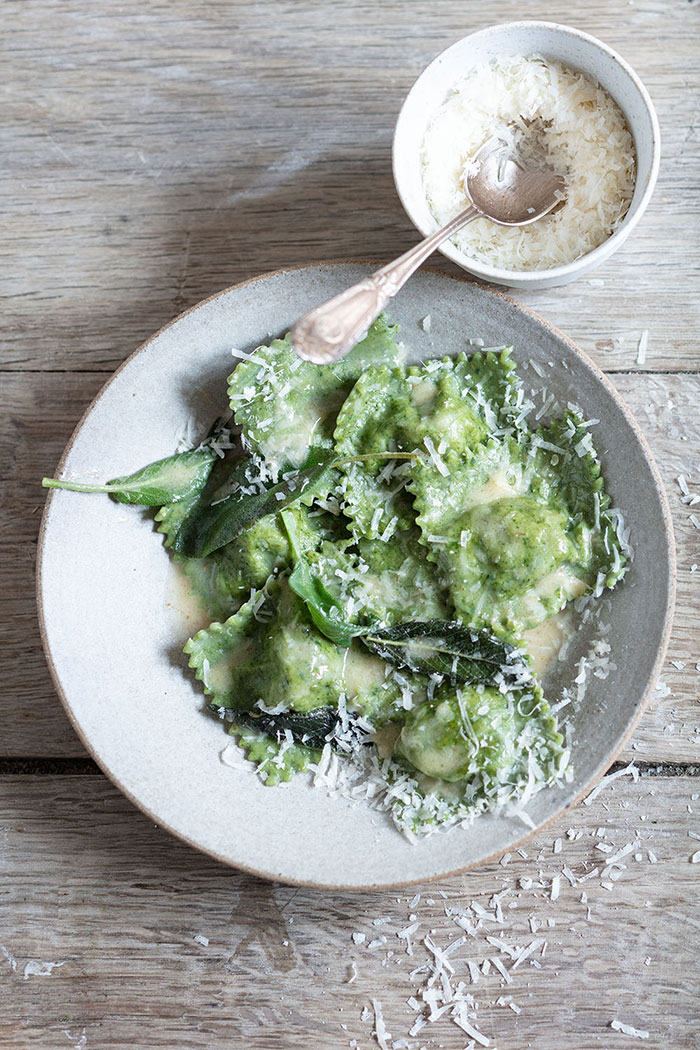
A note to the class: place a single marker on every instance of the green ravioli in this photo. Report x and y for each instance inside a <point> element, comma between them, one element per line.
<point>286,406</point>
<point>371,558</point>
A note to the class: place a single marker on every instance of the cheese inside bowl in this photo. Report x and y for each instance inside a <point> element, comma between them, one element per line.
<point>507,46</point>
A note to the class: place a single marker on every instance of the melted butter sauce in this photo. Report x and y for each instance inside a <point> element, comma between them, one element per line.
<point>189,611</point>
<point>545,641</point>
<point>386,737</point>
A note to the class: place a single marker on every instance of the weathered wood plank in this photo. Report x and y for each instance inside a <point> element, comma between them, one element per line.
<point>161,152</point>
<point>666,409</point>
<point>37,422</point>
<point>157,153</point>
<point>89,884</point>
<point>33,721</point>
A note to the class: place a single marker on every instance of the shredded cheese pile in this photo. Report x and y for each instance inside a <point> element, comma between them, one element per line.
<point>584,133</point>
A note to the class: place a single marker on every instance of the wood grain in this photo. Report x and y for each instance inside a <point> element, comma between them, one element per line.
<point>159,152</point>
<point>89,883</point>
<point>40,413</point>
<point>666,407</point>
<point>153,154</point>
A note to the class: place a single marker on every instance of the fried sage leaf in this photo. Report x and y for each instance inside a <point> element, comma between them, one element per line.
<point>166,481</point>
<point>447,648</point>
<point>211,526</point>
<point>311,728</point>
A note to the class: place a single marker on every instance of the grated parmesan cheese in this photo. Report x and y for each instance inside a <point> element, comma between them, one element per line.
<point>627,1029</point>
<point>383,1037</point>
<point>630,770</point>
<point>584,133</point>
<point>642,347</point>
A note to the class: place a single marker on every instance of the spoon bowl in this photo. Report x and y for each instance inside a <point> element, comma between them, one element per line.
<point>509,190</point>
<point>509,181</point>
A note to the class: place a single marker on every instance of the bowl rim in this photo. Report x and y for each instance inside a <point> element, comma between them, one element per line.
<point>528,834</point>
<point>611,243</point>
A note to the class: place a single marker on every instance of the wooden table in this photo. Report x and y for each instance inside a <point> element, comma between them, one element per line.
<point>156,152</point>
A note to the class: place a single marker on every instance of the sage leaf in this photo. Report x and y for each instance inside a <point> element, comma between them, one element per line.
<point>310,728</point>
<point>447,648</point>
<point>210,526</point>
<point>324,609</point>
<point>168,480</point>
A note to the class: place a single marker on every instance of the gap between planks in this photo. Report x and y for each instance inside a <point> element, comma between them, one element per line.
<point>106,372</point>
<point>28,766</point>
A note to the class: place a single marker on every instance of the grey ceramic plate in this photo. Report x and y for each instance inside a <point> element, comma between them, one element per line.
<point>114,622</point>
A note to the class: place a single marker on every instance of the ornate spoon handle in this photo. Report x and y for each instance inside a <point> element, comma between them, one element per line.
<point>333,328</point>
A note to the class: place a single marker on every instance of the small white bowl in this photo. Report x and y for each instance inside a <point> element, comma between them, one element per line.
<point>572,48</point>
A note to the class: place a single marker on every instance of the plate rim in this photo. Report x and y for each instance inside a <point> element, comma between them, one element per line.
<point>603,766</point>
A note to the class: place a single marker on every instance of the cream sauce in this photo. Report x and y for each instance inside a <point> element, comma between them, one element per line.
<point>545,641</point>
<point>385,738</point>
<point>184,603</point>
<point>532,604</point>
<point>218,676</point>
<point>362,671</point>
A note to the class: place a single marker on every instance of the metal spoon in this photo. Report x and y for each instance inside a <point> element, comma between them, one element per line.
<point>501,186</point>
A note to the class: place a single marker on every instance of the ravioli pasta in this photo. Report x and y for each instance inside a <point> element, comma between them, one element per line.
<point>446,507</point>
<point>372,549</point>
<point>287,406</point>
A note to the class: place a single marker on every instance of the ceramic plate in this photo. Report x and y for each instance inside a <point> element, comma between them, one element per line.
<point>114,620</point>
